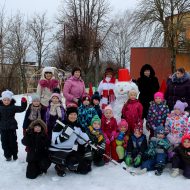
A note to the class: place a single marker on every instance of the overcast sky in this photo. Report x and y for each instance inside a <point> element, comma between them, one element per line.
<point>28,7</point>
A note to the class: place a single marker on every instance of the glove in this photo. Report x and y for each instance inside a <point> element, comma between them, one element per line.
<point>101,148</point>
<point>137,160</point>
<point>128,160</point>
<point>23,99</point>
<point>107,141</point>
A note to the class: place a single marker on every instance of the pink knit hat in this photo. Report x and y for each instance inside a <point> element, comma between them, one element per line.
<point>56,95</point>
<point>160,95</point>
<point>180,105</point>
<point>108,108</point>
<point>123,123</point>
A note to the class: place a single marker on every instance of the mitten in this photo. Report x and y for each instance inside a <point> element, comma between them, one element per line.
<point>23,99</point>
<point>128,160</point>
<point>137,160</point>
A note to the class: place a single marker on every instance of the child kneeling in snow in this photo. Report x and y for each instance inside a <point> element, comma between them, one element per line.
<point>69,147</point>
<point>136,147</point>
<point>36,140</point>
<point>157,152</point>
<point>181,158</point>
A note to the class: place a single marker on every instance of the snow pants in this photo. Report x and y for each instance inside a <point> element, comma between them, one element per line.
<point>111,151</point>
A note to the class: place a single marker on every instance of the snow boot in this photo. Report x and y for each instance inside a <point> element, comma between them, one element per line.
<point>175,172</point>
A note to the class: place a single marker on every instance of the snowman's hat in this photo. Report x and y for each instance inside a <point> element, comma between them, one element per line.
<point>123,75</point>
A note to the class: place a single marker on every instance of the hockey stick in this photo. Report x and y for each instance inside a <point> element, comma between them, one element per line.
<point>96,148</point>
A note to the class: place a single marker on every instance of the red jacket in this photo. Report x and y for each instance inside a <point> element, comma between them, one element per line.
<point>132,113</point>
<point>109,127</point>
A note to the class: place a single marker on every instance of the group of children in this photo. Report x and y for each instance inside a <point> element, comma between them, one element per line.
<point>66,137</point>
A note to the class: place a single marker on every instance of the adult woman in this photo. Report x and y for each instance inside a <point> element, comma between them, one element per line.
<point>148,85</point>
<point>178,88</point>
<point>46,85</point>
<point>74,87</point>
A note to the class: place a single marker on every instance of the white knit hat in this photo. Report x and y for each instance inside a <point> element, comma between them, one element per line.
<point>7,94</point>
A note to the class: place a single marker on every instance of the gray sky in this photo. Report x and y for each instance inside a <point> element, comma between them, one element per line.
<point>28,7</point>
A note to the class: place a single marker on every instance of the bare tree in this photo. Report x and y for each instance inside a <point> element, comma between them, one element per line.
<point>164,18</point>
<point>42,37</point>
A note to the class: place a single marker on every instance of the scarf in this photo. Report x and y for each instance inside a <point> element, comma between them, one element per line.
<point>35,113</point>
<point>55,109</point>
<point>51,84</point>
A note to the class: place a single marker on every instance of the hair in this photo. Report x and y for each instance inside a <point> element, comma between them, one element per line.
<point>76,69</point>
<point>181,70</point>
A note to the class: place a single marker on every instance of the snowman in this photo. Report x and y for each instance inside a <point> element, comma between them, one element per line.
<point>122,86</point>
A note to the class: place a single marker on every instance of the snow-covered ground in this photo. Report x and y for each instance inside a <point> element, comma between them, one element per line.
<point>108,177</point>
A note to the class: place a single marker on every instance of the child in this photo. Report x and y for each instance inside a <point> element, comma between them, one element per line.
<point>122,139</point>
<point>136,146</point>
<point>132,110</point>
<point>109,128</point>
<point>157,152</point>
<point>37,141</point>
<point>46,85</point>
<point>176,125</point>
<point>55,111</point>
<point>69,147</point>
<point>35,111</point>
<point>8,124</point>
<point>157,113</point>
<point>96,103</point>
<point>96,136</point>
<point>181,158</point>
<point>86,112</point>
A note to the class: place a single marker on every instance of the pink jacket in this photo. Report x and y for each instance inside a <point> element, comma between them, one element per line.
<point>73,88</point>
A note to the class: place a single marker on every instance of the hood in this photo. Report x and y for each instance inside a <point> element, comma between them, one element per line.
<point>38,122</point>
<point>147,67</point>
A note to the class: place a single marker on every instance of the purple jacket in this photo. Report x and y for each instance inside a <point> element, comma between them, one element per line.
<point>73,88</point>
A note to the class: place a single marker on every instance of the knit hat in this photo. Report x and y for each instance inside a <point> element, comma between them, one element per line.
<point>56,90</point>
<point>72,109</point>
<point>186,136</point>
<point>35,97</point>
<point>95,118</point>
<point>108,108</point>
<point>86,97</point>
<point>160,130</point>
<point>109,70</point>
<point>123,123</point>
<point>139,126</point>
<point>75,69</point>
<point>180,105</point>
<point>96,96</point>
<point>56,95</point>
<point>48,70</point>
<point>160,95</point>
<point>7,94</point>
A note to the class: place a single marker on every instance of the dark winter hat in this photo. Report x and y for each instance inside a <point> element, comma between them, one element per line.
<point>96,96</point>
<point>160,130</point>
<point>71,109</point>
<point>56,90</point>
<point>109,70</point>
<point>86,97</point>
<point>76,69</point>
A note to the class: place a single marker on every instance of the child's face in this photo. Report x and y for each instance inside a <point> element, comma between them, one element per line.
<point>95,102</point>
<point>96,125</point>
<point>48,75</point>
<point>37,129</point>
<point>108,114</point>
<point>160,136</point>
<point>55,100</point>
<point>177,111</point>
<point>186,143</point>
<point>72,117</point>
<point>123,129</point>
<point>86,102</point>
<point>36,103</point>
<point>132,95</point>
<point>158,100</point>
<point>109,75</point>
<point>6,101</point>
<point>137,133</point>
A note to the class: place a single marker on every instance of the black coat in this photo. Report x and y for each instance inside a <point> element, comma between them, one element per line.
<point>148,86</point>
<point>178,89</point>
<point>7,114</point>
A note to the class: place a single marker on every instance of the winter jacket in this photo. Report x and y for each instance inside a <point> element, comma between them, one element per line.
<point>176,126</point>
<point>157,115</point>
<point>73,88</point>
<point>27,121</point>
<point>136,145</point>
<point>122,139</point>
<point>132,113</point>
<point>109,127</point>
<point>45,89</point>
<point>178,89</point>
<point>62,142</point>
<point>148,86</point>
<point>98,110</point>
<point>37,143</point>
<point>85,115</point>
<point>7,114</point>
